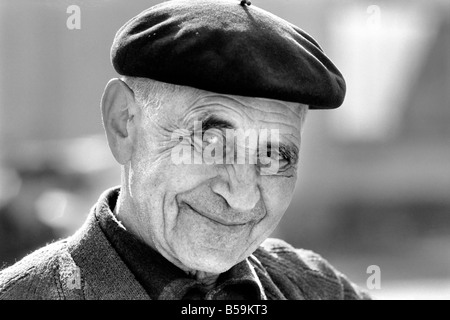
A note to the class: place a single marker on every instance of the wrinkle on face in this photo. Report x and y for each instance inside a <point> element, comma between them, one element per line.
<point>163,190</point>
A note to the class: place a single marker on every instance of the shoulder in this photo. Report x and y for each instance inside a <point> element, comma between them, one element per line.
<point>305,271</point>
<point>282,256</point>
<point>37,276</point>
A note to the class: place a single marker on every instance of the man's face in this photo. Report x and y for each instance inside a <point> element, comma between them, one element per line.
<point>209,217</point>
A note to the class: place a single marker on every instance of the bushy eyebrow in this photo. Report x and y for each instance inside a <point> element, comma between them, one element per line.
<point>214,122</point>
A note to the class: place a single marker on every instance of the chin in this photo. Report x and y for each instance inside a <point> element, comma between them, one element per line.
<point>211,263</point>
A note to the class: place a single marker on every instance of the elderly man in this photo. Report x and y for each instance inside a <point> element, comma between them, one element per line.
<point>191,217</point>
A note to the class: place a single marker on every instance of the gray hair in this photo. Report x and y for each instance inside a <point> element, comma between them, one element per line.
<point>148,93</point>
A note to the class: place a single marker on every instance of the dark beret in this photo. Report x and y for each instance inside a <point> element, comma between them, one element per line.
<point>228,47</point>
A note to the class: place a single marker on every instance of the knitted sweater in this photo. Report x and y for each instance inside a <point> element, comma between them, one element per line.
<point>86,266</point>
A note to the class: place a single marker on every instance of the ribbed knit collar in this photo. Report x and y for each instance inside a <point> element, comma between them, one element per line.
<point>160,278</point>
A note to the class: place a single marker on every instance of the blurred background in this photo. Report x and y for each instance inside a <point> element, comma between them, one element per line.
<point>374,179</point>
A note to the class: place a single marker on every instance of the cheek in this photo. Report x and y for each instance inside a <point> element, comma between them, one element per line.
<point>277,193</point>
<point>154,186</point>
<point>154,168</point>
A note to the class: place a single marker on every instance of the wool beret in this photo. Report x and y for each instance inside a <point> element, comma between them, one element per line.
<point>228,47</point>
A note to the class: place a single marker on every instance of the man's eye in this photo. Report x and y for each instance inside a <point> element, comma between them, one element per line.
<point>212,137</point>
<point>273,162</point>
<point>273,156</point>
<point>214,145</point>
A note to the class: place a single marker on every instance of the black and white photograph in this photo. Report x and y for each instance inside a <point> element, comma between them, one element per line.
<point>224,150</point>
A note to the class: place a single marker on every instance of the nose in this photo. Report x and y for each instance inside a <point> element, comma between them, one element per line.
<point>240,187</point>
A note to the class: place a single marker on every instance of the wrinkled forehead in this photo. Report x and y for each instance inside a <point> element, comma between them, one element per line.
<point>243,112</point>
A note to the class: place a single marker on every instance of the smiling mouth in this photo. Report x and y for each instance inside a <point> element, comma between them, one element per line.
<point>216,219</point>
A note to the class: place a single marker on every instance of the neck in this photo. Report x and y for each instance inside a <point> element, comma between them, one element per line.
<point>207,279</point>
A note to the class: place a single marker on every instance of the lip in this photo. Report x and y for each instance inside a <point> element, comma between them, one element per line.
<point>217,219</point>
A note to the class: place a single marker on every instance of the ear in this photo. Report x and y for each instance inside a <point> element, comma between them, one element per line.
<point>118,110</point>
